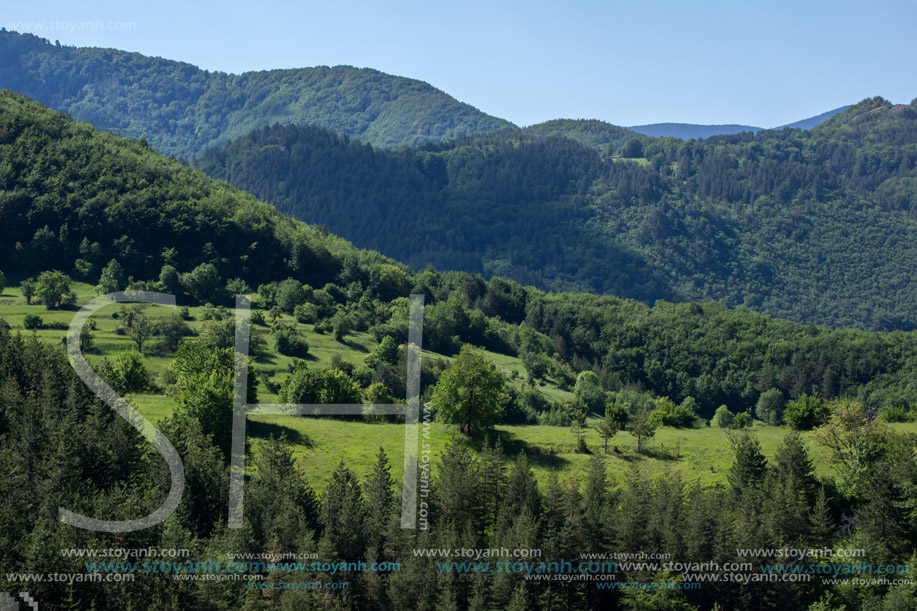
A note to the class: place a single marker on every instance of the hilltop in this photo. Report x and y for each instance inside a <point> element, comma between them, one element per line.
<point>182,110</point>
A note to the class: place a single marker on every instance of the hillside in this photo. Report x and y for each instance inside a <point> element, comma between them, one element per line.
<point>816,226</point>
<point>172,227</point>
<point>557,376</point>
<point>689,131</point>
<point>182,110</point>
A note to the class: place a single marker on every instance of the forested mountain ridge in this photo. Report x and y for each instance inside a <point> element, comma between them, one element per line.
<point>818,226</point>
<point>182,110</point>
<point>75,200</point>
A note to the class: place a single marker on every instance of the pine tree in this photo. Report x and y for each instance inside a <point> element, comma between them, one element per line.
<point>822,524</point>
<point>378,489</point>
<point>344,514</point>
<point>595,499</point>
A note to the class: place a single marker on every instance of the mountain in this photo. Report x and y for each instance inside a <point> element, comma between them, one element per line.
<point>74,199</point>
<point>182,110</point>
<point>689,131</point>
<point>69,193</point>
<point>816,120</point>
<point>818,226</point>
<point>594,134</point>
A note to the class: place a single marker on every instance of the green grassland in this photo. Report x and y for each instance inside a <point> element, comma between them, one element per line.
<point>321,443</point>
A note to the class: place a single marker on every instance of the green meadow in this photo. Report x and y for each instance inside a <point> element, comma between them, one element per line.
<point>321,443</point>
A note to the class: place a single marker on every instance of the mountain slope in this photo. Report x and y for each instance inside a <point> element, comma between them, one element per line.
<point>813,121</point>
<point>182,110</point>
<point>72,199</point>
<point>689,131</point>
<point>817,226</point>
<point>595,134</point>
<point>70,193</point>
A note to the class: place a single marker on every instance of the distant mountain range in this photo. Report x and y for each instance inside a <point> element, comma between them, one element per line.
<point>818,226</point>
<point>688,131</point>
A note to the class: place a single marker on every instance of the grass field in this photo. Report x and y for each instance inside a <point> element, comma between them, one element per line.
<point>321,443</point>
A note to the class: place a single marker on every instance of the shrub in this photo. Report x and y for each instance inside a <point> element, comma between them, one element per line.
<point>897,412</point>
<point>742,421</point>
<point>723,418</point>
<point>127,373</point>
<point>669,414</point>
<point>289,343</point>
<point>306,313</point>
<point>806,412</point>
<point>32,321</point>
<point>770,406</point>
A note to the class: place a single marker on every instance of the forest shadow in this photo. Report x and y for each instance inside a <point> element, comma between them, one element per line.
<point>265,430</point>
<point>656,453</point>
<point>512,446</point>
<point>354,345</point>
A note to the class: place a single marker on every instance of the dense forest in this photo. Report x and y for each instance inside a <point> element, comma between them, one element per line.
<point>182,110</point>
<point>77,203</point>
<point>814,226</point>
<point>75,200</point>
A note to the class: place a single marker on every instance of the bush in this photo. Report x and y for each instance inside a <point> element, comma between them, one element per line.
<point>723,418</point>
<point>897,412</point>
<point>289,343</point>
<point>306,313</point>
<point>770,406</point>
<point>806,413</point>
<point>32,321</point>
<point>127,373</point>
<point>323,326</point>
<point>742,421</point>
<point>669,414</point>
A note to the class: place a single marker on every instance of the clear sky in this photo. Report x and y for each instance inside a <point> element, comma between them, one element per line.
<point>762,63</point>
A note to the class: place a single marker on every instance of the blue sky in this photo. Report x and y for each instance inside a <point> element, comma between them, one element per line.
<point>755,63</point>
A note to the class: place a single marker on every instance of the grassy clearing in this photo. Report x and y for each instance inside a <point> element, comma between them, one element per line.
<point>320,444</point>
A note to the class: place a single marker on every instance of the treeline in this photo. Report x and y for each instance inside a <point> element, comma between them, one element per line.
<point>813,226</point>
<point>183,110</point>
<point>61,447</point>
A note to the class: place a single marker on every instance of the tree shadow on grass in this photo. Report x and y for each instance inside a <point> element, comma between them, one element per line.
<point>662,453</point>
<point>512,446</point>
<point>353,345</point>
<point>264,430</point>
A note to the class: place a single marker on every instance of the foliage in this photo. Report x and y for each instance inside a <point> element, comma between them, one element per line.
<point>288,342</point>
<point>469,392</point>
<point>127,374</point>
<point>723,418</point>
<point>53,290</point>
<point>642,427</point>
<point>770,406</point>
<point>32,322</point>
<point>112,278</point>
<point>806,412</point>
<point>183,110</point>
<point>310,385</point>
<point>667,413</point>
<point>205,389</point>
